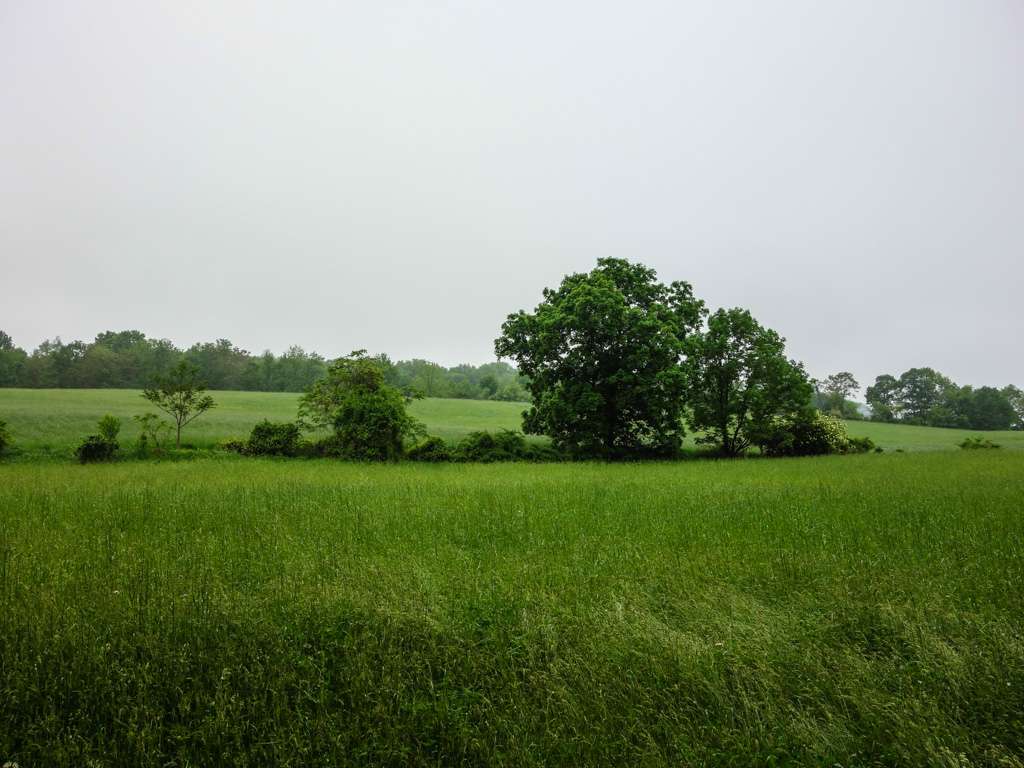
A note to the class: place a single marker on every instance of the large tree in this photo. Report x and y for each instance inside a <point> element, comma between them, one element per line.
<point>602,353</point>
<point>883,397</point>
<point>180,394</point>
<point>1015,396</point>
<point>990,408</point>
<point>921,390</point>
<point>837,389</point>
<point>739,381</point>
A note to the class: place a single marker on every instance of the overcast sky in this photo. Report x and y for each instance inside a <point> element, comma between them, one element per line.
<point>401,175</point>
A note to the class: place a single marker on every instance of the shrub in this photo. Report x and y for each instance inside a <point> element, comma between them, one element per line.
<point>861,445</point>
<point>372,425</point>
<point>5,436</point>
<point>978,444</point>
<point>483,446</point>
<point>95,448</point>
<point>152,432</point>
<point>806,433</point>
<point>109,428</point>
<point>273,439</point>
<point>103,446</point>
<point>432,449</point>
<point>505,445</point>
<point>234,446</point>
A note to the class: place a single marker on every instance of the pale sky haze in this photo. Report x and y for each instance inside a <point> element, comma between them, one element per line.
<point>399,176</point>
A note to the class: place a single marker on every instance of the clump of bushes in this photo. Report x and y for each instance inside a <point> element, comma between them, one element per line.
<point>812,433</point>
<point>978,444</point>
<point>153,431</point>
<point>805,433</point>
<point>273,439</point>
<point>861,445</point>
<point>102,446</point>
<point>433,449</point>
<point>484,447</point>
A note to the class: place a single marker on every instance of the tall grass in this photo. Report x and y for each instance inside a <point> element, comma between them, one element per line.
<point>854,610</point>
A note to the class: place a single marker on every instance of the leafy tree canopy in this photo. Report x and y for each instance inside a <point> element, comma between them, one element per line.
<point>179,394</point>
<point>602,354</point>
<point>739,381</point>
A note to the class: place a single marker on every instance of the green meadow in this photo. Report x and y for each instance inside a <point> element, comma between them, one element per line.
<point>841,610</point>
<point>54,421</point>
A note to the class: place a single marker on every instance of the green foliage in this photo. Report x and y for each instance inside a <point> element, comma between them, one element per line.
<point>602,357</point>
<point>1015,397</point>
<point>861,445</point>
<point>504,445</point>
<point>153,432</point>
<point>5,437</point>
<point>95,448</point>
<point>924,396</point>
<point>882,397</point>
<point>739,381</point>
<point>179,394</point>
<point>102,446</point>
<point>273,439</point>
<point>357,373</point>
<point>806,432</point>
<point>990,409</point>
<point>433,449</point>
<point>373,425</point>
<point>368,414</point>
<point>109,428</point>
<point>837,389</point>
<point>978,444</point>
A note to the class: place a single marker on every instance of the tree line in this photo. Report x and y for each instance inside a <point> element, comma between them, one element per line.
<point>131,360</point>
<point>925,397</point>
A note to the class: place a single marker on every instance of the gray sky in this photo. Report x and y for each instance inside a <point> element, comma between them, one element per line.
<point>400,176</point>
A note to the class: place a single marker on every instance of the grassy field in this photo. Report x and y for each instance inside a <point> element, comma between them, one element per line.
<point>53,421</point>
<point>864,610</point>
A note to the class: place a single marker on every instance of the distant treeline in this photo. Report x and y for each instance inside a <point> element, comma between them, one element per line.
<point>926,397</point>
<point>131,360</point>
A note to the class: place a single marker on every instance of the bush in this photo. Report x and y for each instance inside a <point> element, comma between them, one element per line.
<point>5,436</point>
<point>152,432</point>
<point>95,448</point>
<point>506,445</point>
<point>432,449</point>
<point>234,446</point>
<point>861,445</point>
<point>273,439</point>
<point>103,446</point>
<point>372,425</point>
<point>806,433</point>
<point>978,444</point>
<point>109,428</point>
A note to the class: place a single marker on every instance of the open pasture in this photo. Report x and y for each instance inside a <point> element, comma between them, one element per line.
<point>861,610</point>
<point>54,421</point>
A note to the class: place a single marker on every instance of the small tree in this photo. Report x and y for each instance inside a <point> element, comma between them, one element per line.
<point>355,372</point>
<point>152,431</point>
<point>179,394</point>
<point>739,381</point>
<point>5,436</point>
<point>368,414</point>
